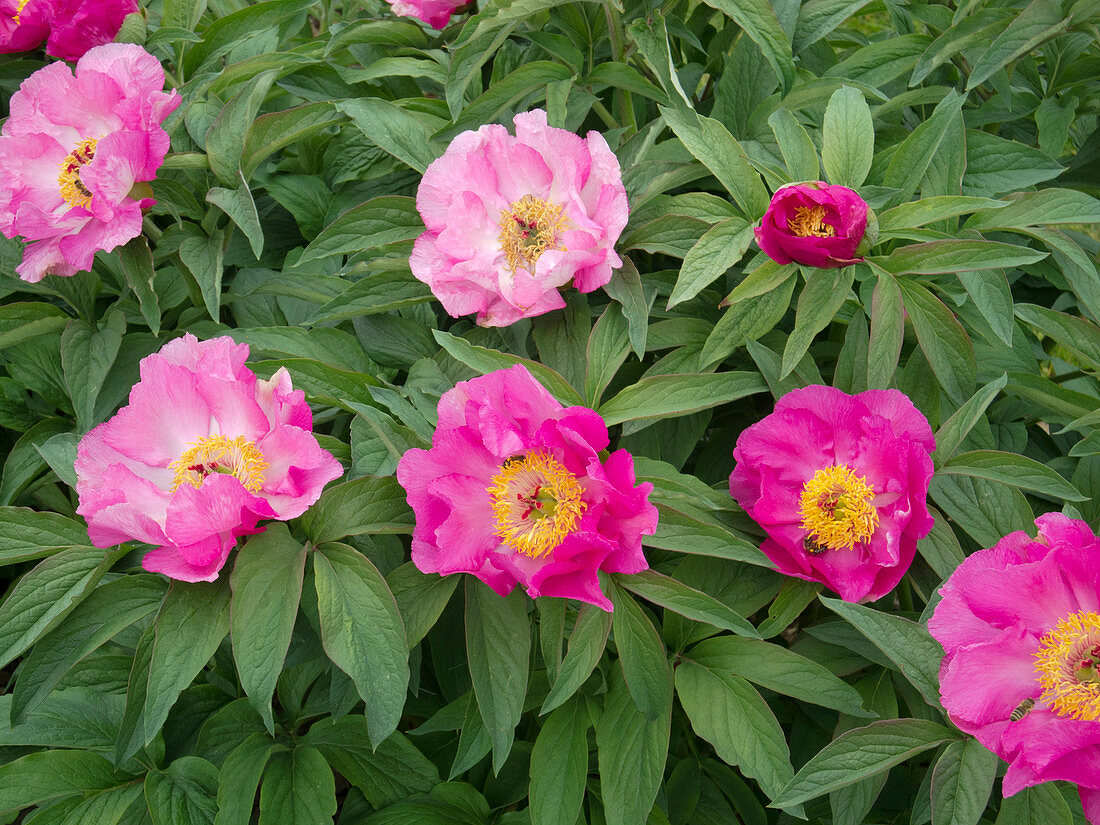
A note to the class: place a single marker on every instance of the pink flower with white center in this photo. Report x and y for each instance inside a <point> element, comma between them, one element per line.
<point>839,483</point>
<point>1020,627</point>
<point>71,152</point>
<point>201,453</point>
<point>514,491</point>
<point>436,13</point>
<point>510,220</point>
<point>69,27</point>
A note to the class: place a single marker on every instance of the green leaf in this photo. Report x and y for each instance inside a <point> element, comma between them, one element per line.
<point>779,669</point>
<point>191,624</point>
<point>42,598</point>
<point>136,261</point>
<point>722,246</point>
<point>59,452</point>
<point>887,331</point>
<point>225,32</point>
<point>991,294</point>
<point>380,221</point>
<point>726,711</point>
<point>961,782</point>
<point>1037,805</point>
<point>709,141</point>
<point>53,774</point>
<point>276,130</point>
<point>661,396</point>
<point>860,753</point>
<point>362,633</point>
<point>907,644</point>
<point>941,549</point>
<point>225,137</point>
<point>643,656</point>
<point>586,646</point>
<point>26,534</point>
<point>608,346</point>
<point>108,610</point>
<point>377,293</point>
<point>632,751</point>
<point>949,256</point>
<point>929,210</point>
<point>87,355</point>
<point>504,93</point>
<point>1039,22</point>
<point>298,789</point>
<point>203,257</point>
<point>559,766</point>
<point>1078,335</point>
<point>750,318</point>
<point>626,287</point>
<point>1016,470</point>
<point>995,165</point>
<point>847,138</point>
<point>1043,208</point>
<point>498,647</point>
<point>237,203</point>
<point>687,601</point>
<point>239,779</point>
<point>915,153</point>
<point>818,18</point>
<point>681,533</point>
<point>824,294</point>
<point>485,360</point>
<point>942,339</point>
<point>795,145</point>
<point>757,18</point>
<point>266,584</point>
<point>184,794</point>
<point>952,432</point>
<point>395,130</point>
<point>368,505</point>
<point>420,599</point>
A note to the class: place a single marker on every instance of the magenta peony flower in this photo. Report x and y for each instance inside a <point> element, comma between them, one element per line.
<point>71,152</point>
<point>838,482</point>
<point>514,490</point>
<point>201,453</point>
<point>511,219</point>
<point>436,13</point>
<point>1020,624</point>
<point>813,224</point>
<point>69,27</point>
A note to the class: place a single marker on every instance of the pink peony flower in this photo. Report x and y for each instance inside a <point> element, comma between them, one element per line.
<point>838,482</point>
<point>436,13</point>
<point>201,453</point>
<point>511,219</point>
<point>69,27</point>
<point>24,24</point>
<point>71,152</point>
<point>1020,625</point>
<point>514,490</point>
<point>813,224</point>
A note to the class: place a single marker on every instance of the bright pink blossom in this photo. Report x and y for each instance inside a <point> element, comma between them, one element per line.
<point>202,452</point>
<point>71,152</point>
<point>839,483</point>
<point>511,219</point>
<point>813,224</point>
<point>1020,625</point>
<point>69,27</point>
<point>436,13</point>
<point>514,491</point>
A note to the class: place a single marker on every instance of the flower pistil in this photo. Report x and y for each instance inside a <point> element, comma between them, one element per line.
<point>237,457</point>
<point>810,220</point>
<point>529,227</point>
<point>837,508</point>
<point>1068,666</point>
<point>73,190</point>
<point>536,501</point>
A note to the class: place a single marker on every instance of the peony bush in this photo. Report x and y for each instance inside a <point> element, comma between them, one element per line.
<point>528,412</point>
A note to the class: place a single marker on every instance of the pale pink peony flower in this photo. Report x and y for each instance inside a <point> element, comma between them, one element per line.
<point>513,490</point>
<point>436,13</point>
<point>71,152</point>
<point>839,483</point>
<point>511,219</point>
<point>1020,626</point>
<point>201,453</point>
<point>69,27</point>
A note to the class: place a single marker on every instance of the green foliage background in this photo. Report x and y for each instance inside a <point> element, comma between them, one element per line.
<point>323,676</point>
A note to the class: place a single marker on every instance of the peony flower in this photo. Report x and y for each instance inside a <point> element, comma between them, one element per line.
<point>813,224</point>
<point>511,219</point>
<point>69,27</point>
<point>514,490</point>
<point>200,454</point>
<point>71,152</point>
<point>1020,625</point>
<point>838,482</point>
<point>436,13</point>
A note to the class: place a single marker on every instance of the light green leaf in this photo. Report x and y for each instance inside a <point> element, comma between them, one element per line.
<point>643,656</point>
<point>1016,470</point>
<point>662,396</point>
<point>559,766</point>
<point>847,138</point>
<point>961,782</point>
<point>298,789</point>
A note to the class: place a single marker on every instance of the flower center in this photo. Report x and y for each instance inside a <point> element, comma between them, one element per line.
<point>1068,666</point>
<point>810,220</point>
<point>73,191</point>
<point>529,227</point>
<point>837,509</point>
<point>237,457</point>
<point>537,502</point>
<point>18,9</point>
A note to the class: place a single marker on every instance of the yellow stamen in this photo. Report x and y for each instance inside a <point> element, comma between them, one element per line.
<point>529,227</point>
<point>536,501</point>
<point>237,457</point>
<point>18,10</point>
<point>838,509</point>
<point>810,220</point>
<point>73,190</point>
<point>1068,666</point>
